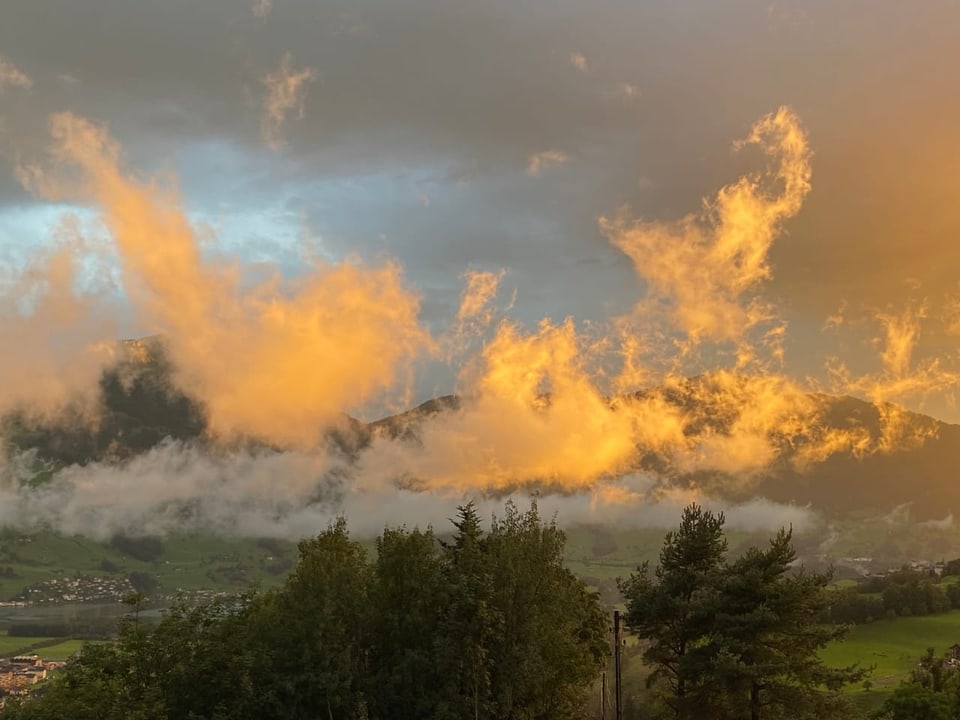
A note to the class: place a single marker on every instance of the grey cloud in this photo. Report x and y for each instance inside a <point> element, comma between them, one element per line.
<point>458,95</point>
<point>178,488</point>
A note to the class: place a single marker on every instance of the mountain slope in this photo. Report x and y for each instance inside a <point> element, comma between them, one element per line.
<point>140,406</point>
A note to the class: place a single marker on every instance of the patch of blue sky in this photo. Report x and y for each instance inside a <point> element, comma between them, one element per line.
<point>28,233</point>
<point>264,203</point>
<point>26,229</point>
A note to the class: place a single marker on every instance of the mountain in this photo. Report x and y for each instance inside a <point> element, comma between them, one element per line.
<point>919,474</point>
<point>140,406</point>
<point>923,475</point>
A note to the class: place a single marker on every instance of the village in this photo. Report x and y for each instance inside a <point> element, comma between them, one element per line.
<point>19,673</point>
<point>867,567</point>
<point>78,589</point>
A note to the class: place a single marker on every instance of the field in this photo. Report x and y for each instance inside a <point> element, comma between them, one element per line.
<point>13,645</point>
<point>178,563</point>
<point>893,648</point>
<point>598,554</point>
<point>61,650</point>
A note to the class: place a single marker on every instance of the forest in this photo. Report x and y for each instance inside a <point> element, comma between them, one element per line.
<point>476,623</point>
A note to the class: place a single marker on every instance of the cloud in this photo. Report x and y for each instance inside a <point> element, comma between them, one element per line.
<point>58,338</point>
<point>578,61</point>
<point>285,94</point>
<point>704,270</point>
<point>531,415</point>
<point>276,359</point>
<point>178,488</point>
<point>901,378</point>
<point>11,76</point>
<point>545,160</point>
<point>555,405</point>
<point>262,8</point>
<point>537,409</point>
<point>479,291</point>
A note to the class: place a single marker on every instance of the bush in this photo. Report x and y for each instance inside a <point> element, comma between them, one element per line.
<point>145,549</point>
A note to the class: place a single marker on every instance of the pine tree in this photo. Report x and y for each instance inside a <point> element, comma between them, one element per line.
<point>739,640</point>
<point>673,610</point>
<point>468,623</point>
<point>767,635</point>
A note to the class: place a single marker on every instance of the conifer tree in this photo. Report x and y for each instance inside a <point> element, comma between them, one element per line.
<point>673,610</point>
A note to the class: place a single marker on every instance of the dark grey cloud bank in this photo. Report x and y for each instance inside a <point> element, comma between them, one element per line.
<point>422,117</point>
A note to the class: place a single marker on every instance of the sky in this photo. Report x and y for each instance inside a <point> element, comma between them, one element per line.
<point>670,188</point>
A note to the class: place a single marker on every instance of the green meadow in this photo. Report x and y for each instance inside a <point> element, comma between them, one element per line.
<point>892,648</point>
<point>183,563</point>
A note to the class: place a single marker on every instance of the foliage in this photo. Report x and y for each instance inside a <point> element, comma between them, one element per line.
<point>145,549</point>
<point>488,626</point>
<point>673,609</point>
<point>734,639</point>
<point>931,693</point>
<point>914,702</point>
<point>313,632</point>
<point>904,593</point>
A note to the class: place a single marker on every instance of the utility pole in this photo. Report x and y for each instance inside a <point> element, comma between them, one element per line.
<point>617,664</point>
<point>603,695</point>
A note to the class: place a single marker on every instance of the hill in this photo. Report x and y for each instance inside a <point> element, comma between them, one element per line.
<point>140,406</point>
<point>917,474</point>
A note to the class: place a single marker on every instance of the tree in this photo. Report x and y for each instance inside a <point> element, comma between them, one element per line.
<point>207,642</point>
<point>408,592</point>
<point>308,638</point>
<point>94,686</point>
<point>673,610</point>
<point>553,632</point>
<point>767,635</point>
<point>915,702</point>
<point>468,623</point>
<point>933,691</point>
<point>490,626</point>
<point>735,640</point>
<point>153,673</point>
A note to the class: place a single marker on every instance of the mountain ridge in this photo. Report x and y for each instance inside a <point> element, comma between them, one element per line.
<point>141,407</point>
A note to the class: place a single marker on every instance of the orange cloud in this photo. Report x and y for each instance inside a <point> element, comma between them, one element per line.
<point>285,93</point>
<point>705,269</point>
<point>58,340</point>
<point>531,414</point>
<point>480,290</point>
<point>901,379</point>
<point>279,360</point>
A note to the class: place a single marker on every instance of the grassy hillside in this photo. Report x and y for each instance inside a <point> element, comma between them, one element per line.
<point>598,554</point>
<point>140,405</point>
<point>178,563</point>
<point>893,648</point>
